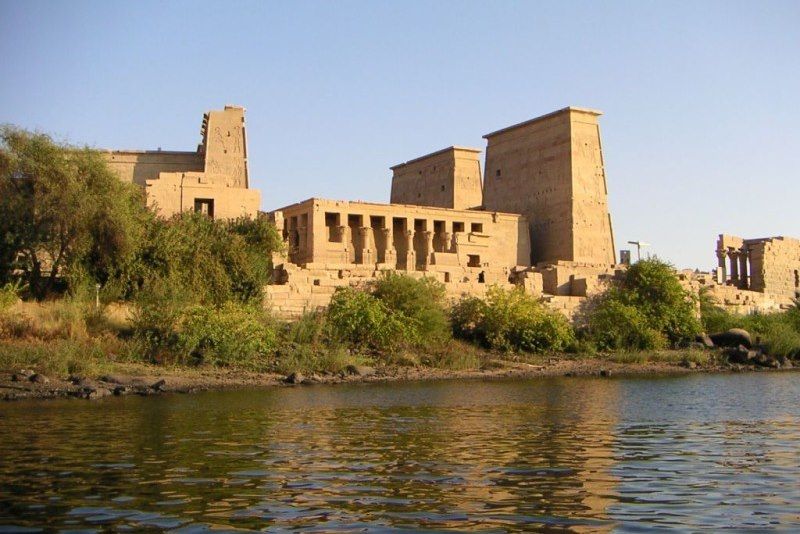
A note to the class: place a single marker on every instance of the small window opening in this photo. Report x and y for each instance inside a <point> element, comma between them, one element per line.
<point>497,173</point>
<point>377,222</point>
<point>481,277</point>
<point>458,227</point>
<point>446,278</point>
<point>443,188</point>
<point>477,228</point>
<point>473,260</point>
<point>204,206</point>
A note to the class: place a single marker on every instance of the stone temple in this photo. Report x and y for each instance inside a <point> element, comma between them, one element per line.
<point>214,179</point>
<point>537,217</point>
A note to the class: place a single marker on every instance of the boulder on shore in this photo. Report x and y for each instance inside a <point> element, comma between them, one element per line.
<point>732,338</point>
<point>706,340</point>
<point>294,378</point>
<point>360,370</point>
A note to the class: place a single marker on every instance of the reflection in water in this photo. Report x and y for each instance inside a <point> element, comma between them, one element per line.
<point>569,454</point>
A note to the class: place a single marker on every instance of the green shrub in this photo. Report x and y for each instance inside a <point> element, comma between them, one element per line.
<point>420,304</point>
<point>647,309</point>
<point>155,320</point>
<point>466,317</point>
<point>614,325</point>
<point>214,261</point>
<point>512,320</point>
<point>360,319</point>
<point>232,335</point>
<point>309,329</point>
<point>652,287</point>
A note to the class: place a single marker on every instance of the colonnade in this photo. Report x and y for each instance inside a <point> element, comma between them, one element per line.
<point>735,266</point>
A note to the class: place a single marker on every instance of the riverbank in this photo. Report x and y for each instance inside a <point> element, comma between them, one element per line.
<point>146,380</point>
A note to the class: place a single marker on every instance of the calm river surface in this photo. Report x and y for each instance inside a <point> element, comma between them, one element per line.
<point>700,452</point>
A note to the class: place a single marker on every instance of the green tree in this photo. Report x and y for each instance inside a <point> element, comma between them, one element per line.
<point>511,320</point>
<point>212,261</point>
<point>64,212</point>
<point>643,310</point>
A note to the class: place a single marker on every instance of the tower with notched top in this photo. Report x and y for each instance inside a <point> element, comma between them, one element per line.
<point>550,169</point>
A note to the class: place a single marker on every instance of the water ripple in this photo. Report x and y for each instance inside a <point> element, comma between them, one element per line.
<point>577,455</point>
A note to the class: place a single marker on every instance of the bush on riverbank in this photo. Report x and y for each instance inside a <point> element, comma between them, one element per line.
<point>646,310</point>
<point>511,320</point>
<point>398,311</point>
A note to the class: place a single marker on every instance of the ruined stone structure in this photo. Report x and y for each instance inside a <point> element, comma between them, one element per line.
<point>334,243</point>
<point>765,271</point>
<point>547,194</point>
<point>538,219</point>
<point>213,179</point>
<point>551,170</point>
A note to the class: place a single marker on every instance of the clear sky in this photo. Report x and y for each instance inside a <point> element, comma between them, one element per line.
<point>701,130</point>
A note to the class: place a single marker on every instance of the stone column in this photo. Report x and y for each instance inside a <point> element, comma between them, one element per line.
<point>448,242</point>
<point>411,255</point>
<point>390,254</point>
<point>743,278</point>
<point>722,270</point>
<point>428,249</point>
<point>734,256</point>
<point>367,250</point>
<point>347,242</point>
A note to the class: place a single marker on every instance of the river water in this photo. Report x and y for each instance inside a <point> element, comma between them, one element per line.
<point>699,452</point>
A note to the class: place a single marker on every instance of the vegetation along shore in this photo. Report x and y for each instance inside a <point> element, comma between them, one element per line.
<point>101,297</point>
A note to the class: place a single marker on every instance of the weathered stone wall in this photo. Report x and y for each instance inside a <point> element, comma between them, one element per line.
<point>550,169</point>
<point>309,289</point>
<point>732,298</point>
<point>449,178</point>
<point>766,265</point>
<point>214,179</point>
<point>177,192</point>
<point>404,237</point>
<point>138,166</point>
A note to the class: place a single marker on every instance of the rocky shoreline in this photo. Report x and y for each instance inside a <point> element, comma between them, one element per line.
<point>26,384</point>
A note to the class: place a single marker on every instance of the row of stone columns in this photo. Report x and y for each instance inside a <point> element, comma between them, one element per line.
<point>738,273</point>
<point>366,249</point>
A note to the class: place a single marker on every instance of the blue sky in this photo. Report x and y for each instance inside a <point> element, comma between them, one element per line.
<point>701,130</point>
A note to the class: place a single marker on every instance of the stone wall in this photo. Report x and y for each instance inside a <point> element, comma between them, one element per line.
<point>768,265</point>
<point>550,169</point>
<point>449,178</point>
<point>402,237</point>
<point>138,166</point>
<point>213,180</point>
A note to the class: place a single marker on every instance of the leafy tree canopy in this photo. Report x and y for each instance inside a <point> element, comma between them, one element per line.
<point>64,212</point>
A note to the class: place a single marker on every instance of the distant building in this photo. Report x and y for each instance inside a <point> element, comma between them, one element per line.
<point>539,219</point>
<point>214,179</point>
<point>766,265</point>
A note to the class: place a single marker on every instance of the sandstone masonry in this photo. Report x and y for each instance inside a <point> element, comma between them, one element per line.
<point>214,179</point>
